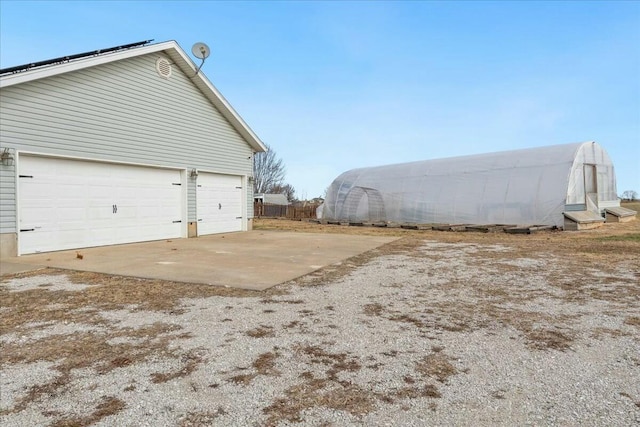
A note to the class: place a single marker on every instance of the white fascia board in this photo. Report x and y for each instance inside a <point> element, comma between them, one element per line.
<point>179,57</point>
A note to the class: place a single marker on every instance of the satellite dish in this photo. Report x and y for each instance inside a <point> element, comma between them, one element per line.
<point>201,51</point>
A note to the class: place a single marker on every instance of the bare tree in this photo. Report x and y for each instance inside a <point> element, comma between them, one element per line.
<point>630,195</point>
<point>268,171</point>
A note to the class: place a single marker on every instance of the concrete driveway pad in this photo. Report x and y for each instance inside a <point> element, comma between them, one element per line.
<point>251,260</point>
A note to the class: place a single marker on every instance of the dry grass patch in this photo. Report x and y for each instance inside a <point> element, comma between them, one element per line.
<point>314,393</point>
<point>405,318</point>
<point>98,344</point>
<point>199,419</point>
<point>310,227</point>
<point>190,362</point>
<point>547,270</point>
<point>88,350</point>
<point>632,320</point>
<point>243,379</point>
<point>108,406</point>
<point>610,332</point>
<point>375,309</point>
<point>109,293</point>
<point>82,349</point>
<point>545,339</point>
<point>617,239</point>
<point>329,392</point>
<point>281,301</point>
<point>338,362</point>
<point>292,324</point>
<point>427,390</point>
<point>262,331</point>
<point>265,364</point>
<point>437,366</point>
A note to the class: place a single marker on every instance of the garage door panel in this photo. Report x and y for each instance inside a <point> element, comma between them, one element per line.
<point>99,212</point>
<point>47,241</point>
<point>219,203</point>
<point>139,233</point>
<point>72,204</point>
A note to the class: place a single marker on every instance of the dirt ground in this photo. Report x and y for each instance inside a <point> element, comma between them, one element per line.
<point>63,323</point>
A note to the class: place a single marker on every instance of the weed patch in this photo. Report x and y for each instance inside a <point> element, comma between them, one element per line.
<point>262,331</point>
<point>190,364</point>
<point>108,406</point>
<point>545,339</point>
<point>437,366</point>
<point>315,392</point>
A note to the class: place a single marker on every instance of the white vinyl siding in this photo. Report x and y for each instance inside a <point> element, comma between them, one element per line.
<point>191,197</point>
<point>121,111</point>
<point>7,198</point>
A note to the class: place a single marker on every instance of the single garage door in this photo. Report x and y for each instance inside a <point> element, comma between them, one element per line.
<point>219,203</point>
<point>67,204</point>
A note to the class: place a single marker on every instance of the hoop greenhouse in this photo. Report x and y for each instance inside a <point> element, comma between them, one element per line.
<point>529,186</point>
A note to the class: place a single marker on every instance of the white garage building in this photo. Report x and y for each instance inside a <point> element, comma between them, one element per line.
<point>121,145</point>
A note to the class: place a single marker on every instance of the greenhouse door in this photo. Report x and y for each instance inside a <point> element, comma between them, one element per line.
<point>591,188</point>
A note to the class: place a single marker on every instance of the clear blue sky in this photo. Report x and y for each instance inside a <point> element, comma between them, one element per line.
<point>333,86</point>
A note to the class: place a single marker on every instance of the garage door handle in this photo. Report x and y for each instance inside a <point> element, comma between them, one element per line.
<point>219,205</point>
<point>115,208</point>
<point>27,229</point>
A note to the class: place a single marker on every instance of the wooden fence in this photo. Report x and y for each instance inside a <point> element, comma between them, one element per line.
<point>266,210</point>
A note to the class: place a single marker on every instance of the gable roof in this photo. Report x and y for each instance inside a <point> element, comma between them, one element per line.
<point>170,48</point>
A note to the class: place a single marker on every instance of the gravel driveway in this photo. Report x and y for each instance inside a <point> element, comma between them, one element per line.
<point>418,332</point>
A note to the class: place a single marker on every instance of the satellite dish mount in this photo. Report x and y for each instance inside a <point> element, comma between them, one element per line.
<point>202,51</point>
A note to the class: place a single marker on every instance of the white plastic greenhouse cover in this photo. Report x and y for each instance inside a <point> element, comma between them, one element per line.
<point>530,186</point>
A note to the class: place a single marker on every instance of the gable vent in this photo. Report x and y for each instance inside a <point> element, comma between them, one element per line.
<point>163,67</point>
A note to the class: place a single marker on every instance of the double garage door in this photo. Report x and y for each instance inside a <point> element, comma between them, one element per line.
<point>67,204</point>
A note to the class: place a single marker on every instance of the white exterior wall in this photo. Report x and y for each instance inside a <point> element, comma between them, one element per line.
<point>122,111</point>
<point>7,197</point>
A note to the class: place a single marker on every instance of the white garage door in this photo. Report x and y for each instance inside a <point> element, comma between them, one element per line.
<point>219,203</point>
<point>67,204</point>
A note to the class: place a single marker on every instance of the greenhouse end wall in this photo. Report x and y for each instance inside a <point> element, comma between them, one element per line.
<point>530,186</point>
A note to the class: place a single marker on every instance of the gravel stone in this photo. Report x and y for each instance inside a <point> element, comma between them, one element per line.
<point>444,334</point>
